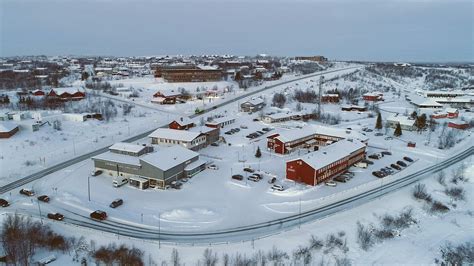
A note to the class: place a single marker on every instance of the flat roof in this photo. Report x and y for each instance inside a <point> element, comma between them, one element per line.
<point>170,157</point>
<point>7,126</point>
<point>118,158</point>
<point>128,147</point>
<point>174,134</point>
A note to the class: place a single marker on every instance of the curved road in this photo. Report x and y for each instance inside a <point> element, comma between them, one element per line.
<point>30,178</point>
<point>264,228</point>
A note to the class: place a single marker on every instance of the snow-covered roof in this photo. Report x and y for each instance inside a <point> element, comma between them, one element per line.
<point>7,126</point>
<point>194,165</point>
<point>118,158</point>
<point>255,101</point>
<point>331,153</point>
<point>296,134</point>
<point>70,90</point>
<point>127,147</point>
<point>222,119</point>
<point>170,93</point>
<point>403,120</point>
<point>169,157</point>
<point>183,121</point>
<point>174,134</point>
<point>421,101</point>
<point>451,110</point>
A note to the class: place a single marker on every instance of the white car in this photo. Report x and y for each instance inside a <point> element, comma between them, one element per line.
<point>278,187</point>
<point>331,183</point>
<point>213,167</point>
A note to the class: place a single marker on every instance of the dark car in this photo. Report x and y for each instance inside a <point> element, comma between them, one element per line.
<point>96,173</point>
<point>272,180</point>
<point>373,156</point>
<point>386,153</point>
<point>408,159</point>
<point>378,174</point>
<point>27,192</point>
<point>4,203</point>
<point>228,133</point>
<point>249,170</point>
<point>260,132</point>
<point>99,215</point>
<point>401,163</point>
<point>396,166</point>
<point>214,144</point>
<point>44,198</point>
<point>367,161</point>
<point>341,179</point>
<point>266,129</point>
<point>116,203</point>
<point>237,177</point>
<point>259,176</point>
<point>57,216</point>
<point>378,134</point>
<point>176,184</point>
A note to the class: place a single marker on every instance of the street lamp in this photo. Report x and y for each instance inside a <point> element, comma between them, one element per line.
<point>89,186</point>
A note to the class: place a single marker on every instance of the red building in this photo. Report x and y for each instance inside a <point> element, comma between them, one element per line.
<point>182,123</point>
<point>452,112</point>
<point>37,93</point>
<point>330,98</point>
<point>439,115</point>
<point>67,94</point>
<point>287,141</point>
<point>458,125</point>
<point>166,97</point>
<point>373,96</point>
<point>319,166</point>
<point>7,129</point>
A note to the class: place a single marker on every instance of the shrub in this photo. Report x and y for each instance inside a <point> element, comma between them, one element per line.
<point>438,207</point>
<point>457,255</point>
<point>456,193</point>
<point>365,237</point>
<point>419,192</point>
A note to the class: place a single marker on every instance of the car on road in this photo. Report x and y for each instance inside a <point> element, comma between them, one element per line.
<point>116,203</point>
<point>386,153</point>
<point>56,216</point>
<point>253,178</point>
<point>330,183</point>
<point>249,170</point>
<point>99,215</point>
<point>278,187</point>
<point>44,198</point>
<point>238,177</point>
<point>27,192</point>
<point>96,172</point>
<point>4,203</point>
<point>401,163</point>
<point>408,159</point>
<point>396,166</point>
<point>213,167</point>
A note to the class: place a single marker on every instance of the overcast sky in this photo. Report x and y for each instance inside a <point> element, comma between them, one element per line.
<point>373,30</point>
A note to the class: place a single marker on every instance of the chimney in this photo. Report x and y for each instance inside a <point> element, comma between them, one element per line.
<point>181,119</point>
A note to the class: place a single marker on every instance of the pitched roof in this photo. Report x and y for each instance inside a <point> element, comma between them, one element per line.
<point>183,121</point>
<point>7,126</point>
<point>118,158</point>
<point>128,147</point>
<point>331,153</point>
<point>174,134</point>
<point>295,134</point>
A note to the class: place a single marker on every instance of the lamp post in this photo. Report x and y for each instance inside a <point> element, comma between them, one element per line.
<point>89,186</point>
<point>159,231</point>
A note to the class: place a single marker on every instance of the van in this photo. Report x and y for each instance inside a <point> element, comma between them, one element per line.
<point>118,182</point>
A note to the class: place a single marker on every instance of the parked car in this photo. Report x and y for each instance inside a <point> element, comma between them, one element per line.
<point>331,183</point>
<point>369,130</point>
<point>401,163</point>
<point>116,203</point>
<point>176,184</point>
<point>184,180</point>
<point>96,172</point>
<point>44,198</point>
<point>272,180</point>
<point>267,129</point>
<point>56,216</point>
<point>27,192</point>
<point>243,126</point>
<point>278,187</point>
<point>378,134</point>
<point>236,129</point>
<point>386,153</point>
<point>340,179</point>
<point>408,159</point>
<point>367,161</point>
<point>375,156</point>
<point>396,166</point>
<point>228,133</point>
<point>119,181</point>
<point>255,120</point>
<point>259,176</point>
<point>99,215</point>
<point>253,178</point>
<point>213,167</point>
<point>249,170</point>
<point>237,177</point>
<point>4,203</point>
<point>378,174</point>
<point>260,132</point>
<point>214,144</point>
<point>388,138</point>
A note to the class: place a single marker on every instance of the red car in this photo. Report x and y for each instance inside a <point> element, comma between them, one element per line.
<point>99,215</point>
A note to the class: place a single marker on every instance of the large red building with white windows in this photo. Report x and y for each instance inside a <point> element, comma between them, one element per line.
<point>326,163</point>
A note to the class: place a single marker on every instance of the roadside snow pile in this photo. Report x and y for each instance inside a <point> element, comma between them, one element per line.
<point>193,215</point>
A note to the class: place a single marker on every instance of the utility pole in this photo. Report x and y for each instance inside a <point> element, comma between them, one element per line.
<point>89,186</point>
<point>299,216</point>
<point>321,81</point>
<point>159,231</point>
<point>39,208</point>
